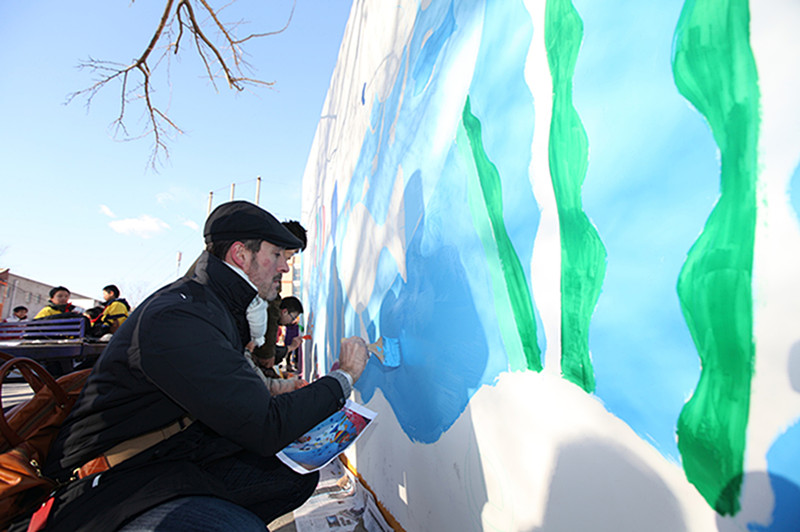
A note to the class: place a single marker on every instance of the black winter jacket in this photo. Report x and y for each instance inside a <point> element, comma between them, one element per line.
<point>179,352</point>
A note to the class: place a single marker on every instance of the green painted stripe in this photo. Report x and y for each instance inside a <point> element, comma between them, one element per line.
<point>583,255</point>
<point>714,69</point>
<point>512,345</point>
<point>516,284</point>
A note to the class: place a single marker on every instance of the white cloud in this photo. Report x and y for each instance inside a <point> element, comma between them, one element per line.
<point>191,225</point>
<point>165,197</point>
<point>108,212</point>
<point>176,194</point>
<point>144,226</point>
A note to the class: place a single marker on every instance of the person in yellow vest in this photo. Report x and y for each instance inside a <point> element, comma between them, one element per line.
<point>115,312</point>
<point>58,303</point>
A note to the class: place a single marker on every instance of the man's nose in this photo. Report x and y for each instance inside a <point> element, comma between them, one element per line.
<point>283,264</point>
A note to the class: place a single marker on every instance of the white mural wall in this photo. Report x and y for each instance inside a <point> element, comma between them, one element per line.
<point>574,225</point>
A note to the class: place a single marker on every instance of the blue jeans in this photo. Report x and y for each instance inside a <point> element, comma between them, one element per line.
<point>258,490</point>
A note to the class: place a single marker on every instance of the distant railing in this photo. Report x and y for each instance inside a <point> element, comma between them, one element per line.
<point>60,344</point>
<point>49,329</point>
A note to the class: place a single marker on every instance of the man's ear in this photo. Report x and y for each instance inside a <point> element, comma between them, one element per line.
<point>237,254</point>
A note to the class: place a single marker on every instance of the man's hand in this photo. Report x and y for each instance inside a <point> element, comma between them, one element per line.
<point>296,341</point>
<point>353,356</point>
<point>279,386</point>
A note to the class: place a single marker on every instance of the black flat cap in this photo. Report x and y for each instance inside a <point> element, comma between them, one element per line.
<point>242,220</point>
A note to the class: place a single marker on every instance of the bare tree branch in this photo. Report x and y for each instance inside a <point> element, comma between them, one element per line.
<point>258,35</point>
<point>222,56</point>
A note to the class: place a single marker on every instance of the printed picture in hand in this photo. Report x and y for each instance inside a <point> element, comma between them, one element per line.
<point>317,447</point>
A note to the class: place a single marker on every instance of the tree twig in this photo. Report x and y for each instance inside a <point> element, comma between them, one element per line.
<point>222,58</point>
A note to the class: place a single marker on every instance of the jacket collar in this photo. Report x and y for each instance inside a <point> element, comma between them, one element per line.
<point>120,299</point>
<point>225,282</point>
<point>66,307</point>
<point>234,291</point>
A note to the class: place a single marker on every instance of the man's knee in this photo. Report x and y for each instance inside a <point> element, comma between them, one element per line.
<point>208,514</point>
<point>308,486</point>
<point>293,495</point>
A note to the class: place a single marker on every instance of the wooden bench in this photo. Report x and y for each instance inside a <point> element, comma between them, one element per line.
<point>57,344</point>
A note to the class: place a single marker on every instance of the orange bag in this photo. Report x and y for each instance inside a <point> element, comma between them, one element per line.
<point>26,433</point>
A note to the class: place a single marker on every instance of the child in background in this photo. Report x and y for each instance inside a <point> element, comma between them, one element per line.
<point>257,320</point>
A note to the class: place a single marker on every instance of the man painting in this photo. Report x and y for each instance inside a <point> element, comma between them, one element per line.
<point>175,371</point>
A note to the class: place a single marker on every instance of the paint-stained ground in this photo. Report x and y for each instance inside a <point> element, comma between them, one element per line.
<point>340,504</point>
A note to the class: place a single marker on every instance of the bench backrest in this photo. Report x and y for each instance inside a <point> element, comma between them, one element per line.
<point>44,329</point>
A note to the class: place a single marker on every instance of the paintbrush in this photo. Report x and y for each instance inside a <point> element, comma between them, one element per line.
<point>387,350</point>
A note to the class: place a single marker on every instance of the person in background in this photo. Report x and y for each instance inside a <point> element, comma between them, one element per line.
<point>115,310</point>
<point>297,229</point>
<point>257,322</point>
<point>20,313</point>
<point>92,314</point>
<point>58,303</point>
<point>265,355</point>
<point>291,309</point>
<point>94,328</point>
<point>294,340</point>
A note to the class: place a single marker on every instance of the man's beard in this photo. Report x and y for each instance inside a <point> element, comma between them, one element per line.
<point>276,290</point>
<point>269,296</point>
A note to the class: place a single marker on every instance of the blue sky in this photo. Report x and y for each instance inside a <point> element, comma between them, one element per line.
<point>83,210</point>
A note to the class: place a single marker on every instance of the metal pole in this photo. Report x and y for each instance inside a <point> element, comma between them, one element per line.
<point>258,189</point>
<point>210,201</point>
<point>13,297</point>
<point>233,186</point>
